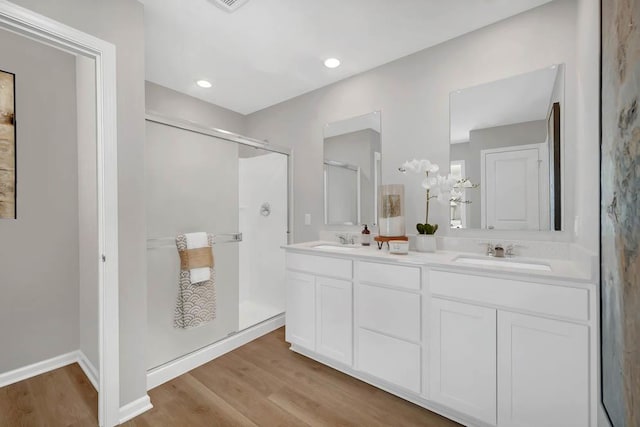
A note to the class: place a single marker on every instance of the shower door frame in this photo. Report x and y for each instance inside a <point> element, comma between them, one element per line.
<point>42,29</point>
<point>175,368</point>
<point>194,127</point>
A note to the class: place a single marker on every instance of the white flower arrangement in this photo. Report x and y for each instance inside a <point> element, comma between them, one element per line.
<point>444,188</point>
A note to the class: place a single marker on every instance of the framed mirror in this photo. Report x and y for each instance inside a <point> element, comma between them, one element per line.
<point>352,164</point>
<point>506,138</point>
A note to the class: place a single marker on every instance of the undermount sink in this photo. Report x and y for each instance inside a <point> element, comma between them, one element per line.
<point>502,262</point>
<point>336,247</point>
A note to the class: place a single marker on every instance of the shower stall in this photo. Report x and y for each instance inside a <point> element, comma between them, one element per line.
<point>237,190</point>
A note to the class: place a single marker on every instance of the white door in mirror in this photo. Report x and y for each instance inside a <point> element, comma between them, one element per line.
<point>509,188</point>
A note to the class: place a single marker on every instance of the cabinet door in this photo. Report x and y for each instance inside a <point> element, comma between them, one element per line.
<point>463,358</point>
<point>543,372</point>
<point>334,325</point>
<point>301,310</point>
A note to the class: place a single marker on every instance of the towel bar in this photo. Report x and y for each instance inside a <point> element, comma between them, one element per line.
<point>170,242</point>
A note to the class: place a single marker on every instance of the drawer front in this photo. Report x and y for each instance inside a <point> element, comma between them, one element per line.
<point>390,311</point>
<point>392,275</point>
<point>390,359</point>
<point>561,301</point>
<point>326,266</point>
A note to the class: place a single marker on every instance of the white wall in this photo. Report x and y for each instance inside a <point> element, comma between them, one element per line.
<point>262,263</point>
<point>587,153</point>
<point>121,23</point>
<point>413,95</point>
<point>39,250</point>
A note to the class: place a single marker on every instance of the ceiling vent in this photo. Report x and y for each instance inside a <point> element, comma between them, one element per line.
<point>229,5</point>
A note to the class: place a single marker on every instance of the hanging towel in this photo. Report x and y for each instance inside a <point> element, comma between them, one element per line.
<point>196,302</point>
<point>197,241</point>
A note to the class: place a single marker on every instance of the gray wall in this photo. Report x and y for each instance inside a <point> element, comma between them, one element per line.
<point>485,139</point>
<point>39,250</point>
<point>168,102</point>
<point>88,210</point>
<point>121,23</point>
<point>413,95</point>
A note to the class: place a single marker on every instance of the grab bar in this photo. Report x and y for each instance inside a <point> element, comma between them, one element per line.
<point>170,242</point>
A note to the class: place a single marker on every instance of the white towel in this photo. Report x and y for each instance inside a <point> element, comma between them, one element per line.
<point>195,241</point>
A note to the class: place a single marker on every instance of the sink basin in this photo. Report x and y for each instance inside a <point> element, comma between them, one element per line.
<point>335,247</point>
<point>502,262</point>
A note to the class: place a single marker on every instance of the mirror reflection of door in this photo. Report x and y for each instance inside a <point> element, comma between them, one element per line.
<point>512,181</point>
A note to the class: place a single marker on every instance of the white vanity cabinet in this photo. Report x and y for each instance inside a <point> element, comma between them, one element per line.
<point>333,319</point>
<point>543,372</point>
<point>487,358</point>
<point>463,358</point>
<point>301,310</point>
<point>389,323</point>
<point>483,347</point>
<point>319,308</point>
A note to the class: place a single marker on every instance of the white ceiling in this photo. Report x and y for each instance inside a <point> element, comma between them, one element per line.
<point>269,51</point>
<point>516,99</point>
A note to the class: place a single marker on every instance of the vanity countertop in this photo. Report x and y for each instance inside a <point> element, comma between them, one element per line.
<point>564,270</point>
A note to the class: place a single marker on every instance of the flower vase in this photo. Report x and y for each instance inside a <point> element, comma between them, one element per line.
<point>426,243</point>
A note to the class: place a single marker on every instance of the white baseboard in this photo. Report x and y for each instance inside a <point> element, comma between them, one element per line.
<point>89,370</point>
<point>173,369</point>
<point>135,408</point>
<point>38,368</point>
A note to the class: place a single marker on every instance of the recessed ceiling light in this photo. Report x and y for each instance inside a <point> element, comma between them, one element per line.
<point>204,84</point>
<point>332,63</point>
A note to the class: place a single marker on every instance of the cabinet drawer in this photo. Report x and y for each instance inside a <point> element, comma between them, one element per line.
<point>392,275</point>
<point>390,359</point>
<point>572,303</point>
<point>390,311</point>
<point>335,267</point>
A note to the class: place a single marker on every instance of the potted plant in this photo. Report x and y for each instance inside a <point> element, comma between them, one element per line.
<point>443,188</point>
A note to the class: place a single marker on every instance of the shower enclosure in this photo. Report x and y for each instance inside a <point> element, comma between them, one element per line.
<point>234,188</point>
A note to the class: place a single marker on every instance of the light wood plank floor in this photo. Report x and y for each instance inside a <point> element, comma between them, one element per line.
<point>63,397</point>
<point>260,384</point>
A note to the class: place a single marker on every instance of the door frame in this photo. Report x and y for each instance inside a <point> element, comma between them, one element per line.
<point>543,207</point>
<point>32,25</point>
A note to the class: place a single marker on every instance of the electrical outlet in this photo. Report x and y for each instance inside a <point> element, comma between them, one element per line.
<point>307,219</point>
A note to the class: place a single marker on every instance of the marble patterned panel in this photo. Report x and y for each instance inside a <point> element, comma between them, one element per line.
<point>7,147</point>
<point>620,216</point>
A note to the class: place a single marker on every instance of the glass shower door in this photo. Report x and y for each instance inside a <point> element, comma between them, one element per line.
<point>191,186</point>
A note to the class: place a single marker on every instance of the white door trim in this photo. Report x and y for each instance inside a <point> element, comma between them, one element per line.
<point>42,29</point>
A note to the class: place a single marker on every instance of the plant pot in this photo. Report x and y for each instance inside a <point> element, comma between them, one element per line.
<point>426,243</point>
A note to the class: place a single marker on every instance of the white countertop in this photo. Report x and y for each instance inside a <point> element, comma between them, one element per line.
<point>564,270</point>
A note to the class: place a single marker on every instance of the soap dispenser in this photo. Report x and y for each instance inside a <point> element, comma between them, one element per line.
<point>366,236</point>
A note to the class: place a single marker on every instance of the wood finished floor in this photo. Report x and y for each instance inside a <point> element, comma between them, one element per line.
<point>260,384</point>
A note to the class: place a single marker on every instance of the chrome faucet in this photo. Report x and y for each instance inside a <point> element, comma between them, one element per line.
<point>490,251</point>
<point>499,251</point>
<point>346,238</point>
